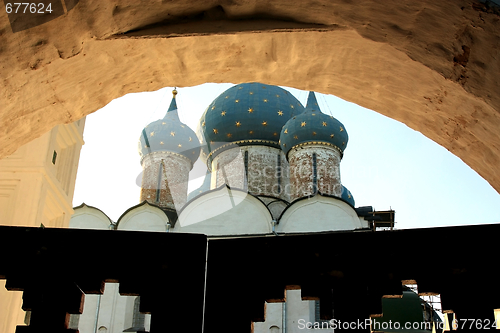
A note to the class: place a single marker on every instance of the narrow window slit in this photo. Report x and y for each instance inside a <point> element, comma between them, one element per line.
<point>315,174</point>
<point>246,169</point>
<point>158,185</point>
<point>279,174</point>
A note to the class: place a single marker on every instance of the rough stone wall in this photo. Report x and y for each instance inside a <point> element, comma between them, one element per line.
<point>327,171</point>
<point>265,175</point>
<point>432,65</point>
<point>229,168</point>
<point>173,188</point>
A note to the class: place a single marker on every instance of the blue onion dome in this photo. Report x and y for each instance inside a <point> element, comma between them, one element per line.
<point>313,127</point>
<point>347,196</point>
<point>247,114</point>
<point>169,134</point>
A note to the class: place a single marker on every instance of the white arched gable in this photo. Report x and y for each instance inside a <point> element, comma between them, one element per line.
<point>143,217</point>
<point>319,213</point>
<point>87,217</point>
<point>225,212</point>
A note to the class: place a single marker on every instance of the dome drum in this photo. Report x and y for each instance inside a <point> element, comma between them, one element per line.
<point>165,179</point>
<point>315,169</point>
<point>260,170</point>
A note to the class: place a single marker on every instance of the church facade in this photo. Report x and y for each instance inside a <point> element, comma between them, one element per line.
<point>272,169</point>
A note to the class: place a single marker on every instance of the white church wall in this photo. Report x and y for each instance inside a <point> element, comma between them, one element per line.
<point>112,309</point>
<point>297,315</point>
<point>297,309</point>
<point>319,213</point>
<point>300,312</point>
<point>143,217</point>
<point>87,320</point>
<point>225,212</point>
<point>86,217</point>
<point>276,206</point>
<point>105,313</point>
<point>274,319</point>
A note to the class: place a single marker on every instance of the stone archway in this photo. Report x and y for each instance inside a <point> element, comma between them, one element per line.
<point>434,66</point>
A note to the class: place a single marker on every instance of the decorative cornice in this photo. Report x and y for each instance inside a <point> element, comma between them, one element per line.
<point>316,143</point>
<point>168,153</point>
<point>240,143</point>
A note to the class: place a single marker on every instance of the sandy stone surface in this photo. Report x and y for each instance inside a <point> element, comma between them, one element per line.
<point>433,65</point>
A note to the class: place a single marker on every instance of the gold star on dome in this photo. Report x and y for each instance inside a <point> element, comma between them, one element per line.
<point>280,112</point>
<point>291,106</point>
<point>240,88</point>
<point>216,130</point>
<point>332,135</point>
<point>163,123</point>
<point>203,124</point>
<point>251,132</point>
<point>275,134</point>
<point>227,97</point>
<point>183,126</point>
<point>341,129</point>
<point>251,92</point>
<point>313,114</point>
<point>286,131</point>
<point>238,124</point>
<point>250,110</point>
<point>265,100</point>
<point>284,145</point>
<point>236,100</point>
<point>152,134</point>
<point>303,124</point>
<point>263,87</point>
<point>179,145</point>
<point>264,123</point>
<point>190,139</point>
<point>349,195</point>
<point>172,133</point>
<point>324,123</point>
<point>229,135</point>
<point>278,96</point>
<point>343,143</point>
<point>161,142</point>
<point>223,113</point>
<point>314,133</point>
<point>295,137</point>
<point>213,107</point>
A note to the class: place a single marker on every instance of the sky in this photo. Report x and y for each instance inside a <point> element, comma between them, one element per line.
<point>386,164</point>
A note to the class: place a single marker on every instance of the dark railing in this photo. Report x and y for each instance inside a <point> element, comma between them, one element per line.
<point>348,271</point>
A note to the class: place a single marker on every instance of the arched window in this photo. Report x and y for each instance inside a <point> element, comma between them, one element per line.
<point>274,329</point>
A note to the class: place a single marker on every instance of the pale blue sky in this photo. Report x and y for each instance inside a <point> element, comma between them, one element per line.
<point>386,164</point>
